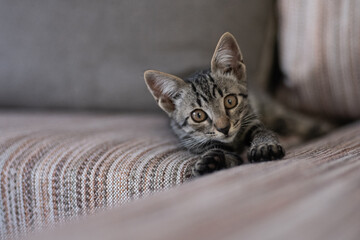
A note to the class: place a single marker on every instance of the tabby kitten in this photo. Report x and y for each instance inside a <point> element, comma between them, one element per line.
<point>212,113</point>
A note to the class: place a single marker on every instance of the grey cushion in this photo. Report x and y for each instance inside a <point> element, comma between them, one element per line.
<point>92,54</point>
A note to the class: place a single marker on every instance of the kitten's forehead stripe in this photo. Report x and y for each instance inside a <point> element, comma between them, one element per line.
<point>198,102</point>
<point>213,90</point>
<point>220,92</point>
<point>203,85</point>
<point>193,87</point>
<point>210,78</point>
<point>204,98</point>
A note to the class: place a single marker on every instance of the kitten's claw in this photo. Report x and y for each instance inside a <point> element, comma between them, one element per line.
<point>265,152</point>
<point>210,162</point>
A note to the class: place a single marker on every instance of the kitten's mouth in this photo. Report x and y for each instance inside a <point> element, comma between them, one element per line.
<point>231,135</point>
<point>227,138</point>
<point>222,137</point>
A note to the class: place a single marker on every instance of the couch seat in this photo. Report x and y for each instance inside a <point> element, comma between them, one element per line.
<point>56,167</point>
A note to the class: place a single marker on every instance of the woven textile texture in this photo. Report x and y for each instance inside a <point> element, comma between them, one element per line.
<point>54,167</point>
<point>320,56</point>
<point>313,194</point>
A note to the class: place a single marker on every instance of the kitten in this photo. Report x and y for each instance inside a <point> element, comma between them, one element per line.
<point>213,114</point>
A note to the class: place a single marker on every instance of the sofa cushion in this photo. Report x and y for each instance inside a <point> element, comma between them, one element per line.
<point>313,194</point>
<point>57,166</point>
<point>320,56</point>
<point>92,54</point>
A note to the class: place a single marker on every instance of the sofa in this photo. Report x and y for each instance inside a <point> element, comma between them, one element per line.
<point>85,153</point>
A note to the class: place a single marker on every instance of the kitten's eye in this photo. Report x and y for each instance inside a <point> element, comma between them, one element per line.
<point>198,115</point>
<point>230,101</point>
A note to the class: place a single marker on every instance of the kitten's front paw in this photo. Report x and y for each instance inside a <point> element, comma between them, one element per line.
<point>210,162</point>
<point>265,152</point>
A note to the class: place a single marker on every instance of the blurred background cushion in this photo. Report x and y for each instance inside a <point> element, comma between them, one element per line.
<point>320,56</point>
<point>92,54</point>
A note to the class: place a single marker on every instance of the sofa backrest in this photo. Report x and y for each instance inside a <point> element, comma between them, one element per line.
<point>92,54</point>
<point>320,57</point>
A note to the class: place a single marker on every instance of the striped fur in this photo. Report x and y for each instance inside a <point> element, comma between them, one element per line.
<point>224,132</point>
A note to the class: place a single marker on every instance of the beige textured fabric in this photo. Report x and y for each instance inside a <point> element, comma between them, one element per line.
<point>320,56</point>
<point>57,167</point>
<point>313,194</point>
<point>54,167</point>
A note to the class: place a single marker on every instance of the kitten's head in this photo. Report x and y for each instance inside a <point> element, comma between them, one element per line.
<point>210,105</point>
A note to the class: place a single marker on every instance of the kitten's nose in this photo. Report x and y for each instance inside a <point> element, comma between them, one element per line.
<point>223,125</point>
<point>224,130</point>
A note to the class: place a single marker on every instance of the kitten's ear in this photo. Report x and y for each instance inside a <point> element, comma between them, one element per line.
<point>227,57</point>
<point>164,87</point>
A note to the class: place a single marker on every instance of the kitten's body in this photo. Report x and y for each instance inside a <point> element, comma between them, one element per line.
<point>214,116</point>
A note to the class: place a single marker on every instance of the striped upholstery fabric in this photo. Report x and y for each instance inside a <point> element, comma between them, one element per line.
<point>320,56</point>
<point>313,194</point>
<point>54,167</point>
